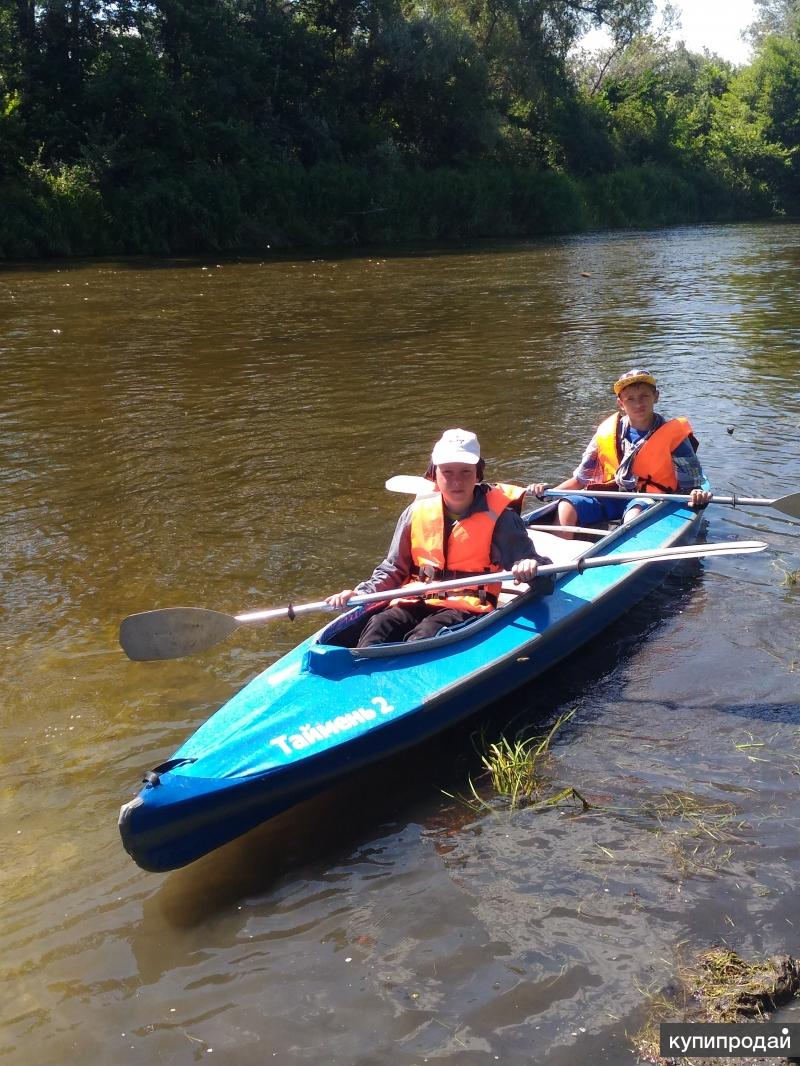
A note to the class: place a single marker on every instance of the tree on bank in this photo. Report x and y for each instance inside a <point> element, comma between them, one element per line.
<point>175,125</point>
<point>775,18</point>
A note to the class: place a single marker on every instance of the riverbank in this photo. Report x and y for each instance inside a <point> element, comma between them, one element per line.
<point>289,207</point>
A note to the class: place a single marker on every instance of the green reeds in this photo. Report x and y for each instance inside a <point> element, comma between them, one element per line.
<point>790,578</point>
<point>517,770</point>
<point>512,767</point>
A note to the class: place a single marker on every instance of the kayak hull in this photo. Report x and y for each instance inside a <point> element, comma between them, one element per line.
<point>323,711</point>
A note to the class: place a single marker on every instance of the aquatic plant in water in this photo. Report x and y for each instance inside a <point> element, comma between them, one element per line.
<point>791,578</point>
<point>517,770</point>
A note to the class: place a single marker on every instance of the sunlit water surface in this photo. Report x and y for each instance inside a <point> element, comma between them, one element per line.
<point>219,434</point>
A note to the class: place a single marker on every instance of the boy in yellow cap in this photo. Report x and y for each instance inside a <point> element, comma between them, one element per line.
<point>634,450</point>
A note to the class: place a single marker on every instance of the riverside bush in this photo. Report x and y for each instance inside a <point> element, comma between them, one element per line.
<point>285,205</point>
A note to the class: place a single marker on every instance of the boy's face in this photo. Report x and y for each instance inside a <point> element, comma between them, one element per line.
<point>638,402</point>
<point>457,483</point>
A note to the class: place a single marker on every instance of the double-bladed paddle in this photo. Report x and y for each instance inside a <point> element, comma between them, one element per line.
<point>789,505</point>
<point>176,631</point>
<point>420,486</point>
<point>785,504</point>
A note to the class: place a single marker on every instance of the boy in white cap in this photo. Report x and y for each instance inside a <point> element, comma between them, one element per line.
<point>469,527</point>
<point>633,450</point>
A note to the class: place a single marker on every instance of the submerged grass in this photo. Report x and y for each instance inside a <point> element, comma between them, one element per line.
<point>698,833</point>
<point>791,578</point>
<point>517,770</point>
<point>707,819</point>
<point>778,760</point>
<point>719,986</point>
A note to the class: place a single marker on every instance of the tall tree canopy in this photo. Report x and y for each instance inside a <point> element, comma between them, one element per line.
<point>154,124</point>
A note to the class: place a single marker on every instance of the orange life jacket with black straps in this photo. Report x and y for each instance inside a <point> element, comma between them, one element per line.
<point>652,464</point>
<point>467,552</point>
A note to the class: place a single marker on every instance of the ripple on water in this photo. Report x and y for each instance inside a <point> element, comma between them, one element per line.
<point>221,437</point>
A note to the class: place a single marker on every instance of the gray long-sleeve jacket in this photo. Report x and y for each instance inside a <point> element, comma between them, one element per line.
<point>510,543</point>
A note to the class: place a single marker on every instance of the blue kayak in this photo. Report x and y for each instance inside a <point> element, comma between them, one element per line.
<point>326,709</point>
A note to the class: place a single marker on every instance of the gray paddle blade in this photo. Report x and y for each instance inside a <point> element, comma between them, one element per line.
<point>788,505</point>
<point>173,632</point>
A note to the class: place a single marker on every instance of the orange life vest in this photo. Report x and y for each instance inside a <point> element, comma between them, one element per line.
<point>652,465</point>
<point>468,549</point>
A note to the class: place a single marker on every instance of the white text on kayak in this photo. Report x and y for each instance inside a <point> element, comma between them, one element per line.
<point>309,735</point>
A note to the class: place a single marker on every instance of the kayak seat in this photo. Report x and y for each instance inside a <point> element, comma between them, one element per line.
<point>555,548</point>
<point>558,549</point>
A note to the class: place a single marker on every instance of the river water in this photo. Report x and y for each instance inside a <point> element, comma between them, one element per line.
<point>218,434</point>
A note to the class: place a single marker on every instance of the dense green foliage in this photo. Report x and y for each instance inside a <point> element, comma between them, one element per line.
<point>185,125</point>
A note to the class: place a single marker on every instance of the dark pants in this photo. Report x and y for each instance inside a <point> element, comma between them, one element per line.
<point>409,621</point>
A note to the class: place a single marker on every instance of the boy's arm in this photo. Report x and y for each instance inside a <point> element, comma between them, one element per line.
<point>587,472</point>
<point>688,470</point>
<point>395,569</point>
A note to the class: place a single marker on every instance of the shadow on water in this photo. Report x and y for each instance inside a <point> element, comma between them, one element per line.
<point>597,670</point>
<point>401,789</point>
<point>783,713</point>
<point>333,253</point>
<point>306,840</point>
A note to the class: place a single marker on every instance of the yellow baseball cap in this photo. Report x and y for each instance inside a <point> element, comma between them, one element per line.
<point>634,377</point>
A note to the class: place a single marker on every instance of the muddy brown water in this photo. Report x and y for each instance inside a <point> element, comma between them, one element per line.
<point>218,434</point>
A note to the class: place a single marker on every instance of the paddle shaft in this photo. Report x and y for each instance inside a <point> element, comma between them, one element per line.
<point>787,504</point>
<point>688,551</point>
<point>173,632</point>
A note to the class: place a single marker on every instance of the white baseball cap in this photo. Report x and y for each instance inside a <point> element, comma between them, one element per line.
<point>456,446</point>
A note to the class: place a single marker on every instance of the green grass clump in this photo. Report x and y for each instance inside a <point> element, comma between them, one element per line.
<point>517,770</point>
<point>719,986</point>
<point>791,578</point>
